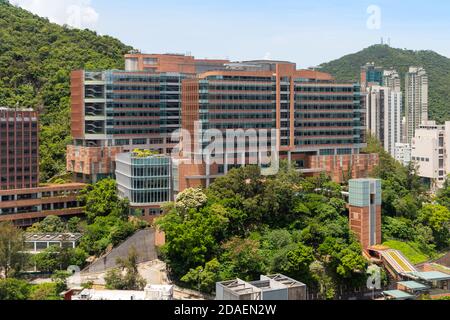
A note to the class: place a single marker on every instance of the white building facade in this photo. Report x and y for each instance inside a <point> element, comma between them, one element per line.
<point>403,153</point>
<point>430,152</point>
<point>384,115</point>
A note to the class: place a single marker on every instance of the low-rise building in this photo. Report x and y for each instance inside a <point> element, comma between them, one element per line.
<point>27,206</point>
<point>38,242</point>
<point>273,287</point>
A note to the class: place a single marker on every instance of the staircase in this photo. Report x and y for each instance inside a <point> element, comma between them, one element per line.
<point>144,243</point>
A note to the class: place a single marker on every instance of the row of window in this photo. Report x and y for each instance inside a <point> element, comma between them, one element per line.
<point>17,125</point>
<point>143,105</point>
<point>151,171</point>
<point>230,96</point>
<point>241,116</point>
<point>143,96</point>
<point>150,184</point>
<point>128,87</point>
<point>158,196</point>
<point>243,87</point>
<point>324,89</point>
<point>327,142</point>
<point>421,159</point>
<point>323,133</point>
<point>324,124</point>
<point>116,78</point>
<point>268,125</point>
<point>137,114</point>
<point>325,98</point>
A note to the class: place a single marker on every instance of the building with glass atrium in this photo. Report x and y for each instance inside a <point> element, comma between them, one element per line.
<point>146,181</point>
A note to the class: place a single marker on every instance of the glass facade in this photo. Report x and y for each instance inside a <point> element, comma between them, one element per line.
<point>144,181</point>
<point>142,105</point>
<point>364,192</point>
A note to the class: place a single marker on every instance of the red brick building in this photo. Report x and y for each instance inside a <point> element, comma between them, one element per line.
<point>19,145</point>
<point>320,122</point>
<point>22,199</point>
<point>115,111</point>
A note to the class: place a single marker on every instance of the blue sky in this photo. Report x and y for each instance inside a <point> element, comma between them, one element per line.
<point>306,32</point>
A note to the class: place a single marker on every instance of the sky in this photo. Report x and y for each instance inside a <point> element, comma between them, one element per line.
<point>306,32</point>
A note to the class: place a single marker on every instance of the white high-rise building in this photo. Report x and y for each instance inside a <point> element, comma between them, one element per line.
<point>416,104</point>
<point>384,115</point>
<point>430,150</point>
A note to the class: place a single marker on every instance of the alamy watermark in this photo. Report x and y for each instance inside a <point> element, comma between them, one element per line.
<point>374,20</point>
<point>229,147</point>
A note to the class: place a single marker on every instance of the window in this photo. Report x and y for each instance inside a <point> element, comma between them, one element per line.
<point>122,142</point>
<point>139,141</point>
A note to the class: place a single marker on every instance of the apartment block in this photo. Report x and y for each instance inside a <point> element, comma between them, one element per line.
<point>146,181</point>
<point>429,151</point>
<point>320,122</point>
<point>365,211</point>
<point>416,104</point>
<point>392,80</point>
<point>384,115</point>
<point>19,145</point>
<point>371,75</point>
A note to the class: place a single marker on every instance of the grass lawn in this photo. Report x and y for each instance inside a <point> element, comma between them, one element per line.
<point>410,250</point>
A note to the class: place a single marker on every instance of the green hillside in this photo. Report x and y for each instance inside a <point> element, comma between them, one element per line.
<point>437,66</point>
<point>36,58</point>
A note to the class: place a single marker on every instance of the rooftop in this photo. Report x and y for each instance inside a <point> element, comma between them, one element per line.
<point>110,295</point>
<point>266,283</point>
<point>398,295</point>
<point>413,285</point>
<point>432,276</point>
<point>15,109</point>
<point>31,237</point>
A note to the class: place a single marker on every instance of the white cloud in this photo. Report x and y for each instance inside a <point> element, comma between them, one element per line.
<point>76,13</point>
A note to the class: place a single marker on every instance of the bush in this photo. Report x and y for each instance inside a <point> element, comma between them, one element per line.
<point>45,291</point>
<point>13,289</point>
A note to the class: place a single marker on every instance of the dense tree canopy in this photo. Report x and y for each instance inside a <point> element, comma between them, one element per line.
<point>12,258</point>
<point>409,212</point>
<point>251,224</point>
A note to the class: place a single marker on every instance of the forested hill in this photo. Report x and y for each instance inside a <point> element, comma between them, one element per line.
<point>36,58</point>
<point>348,68</point>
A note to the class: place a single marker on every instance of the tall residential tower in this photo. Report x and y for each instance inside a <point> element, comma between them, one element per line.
<point>416,87</point>
<point>384,110</point>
